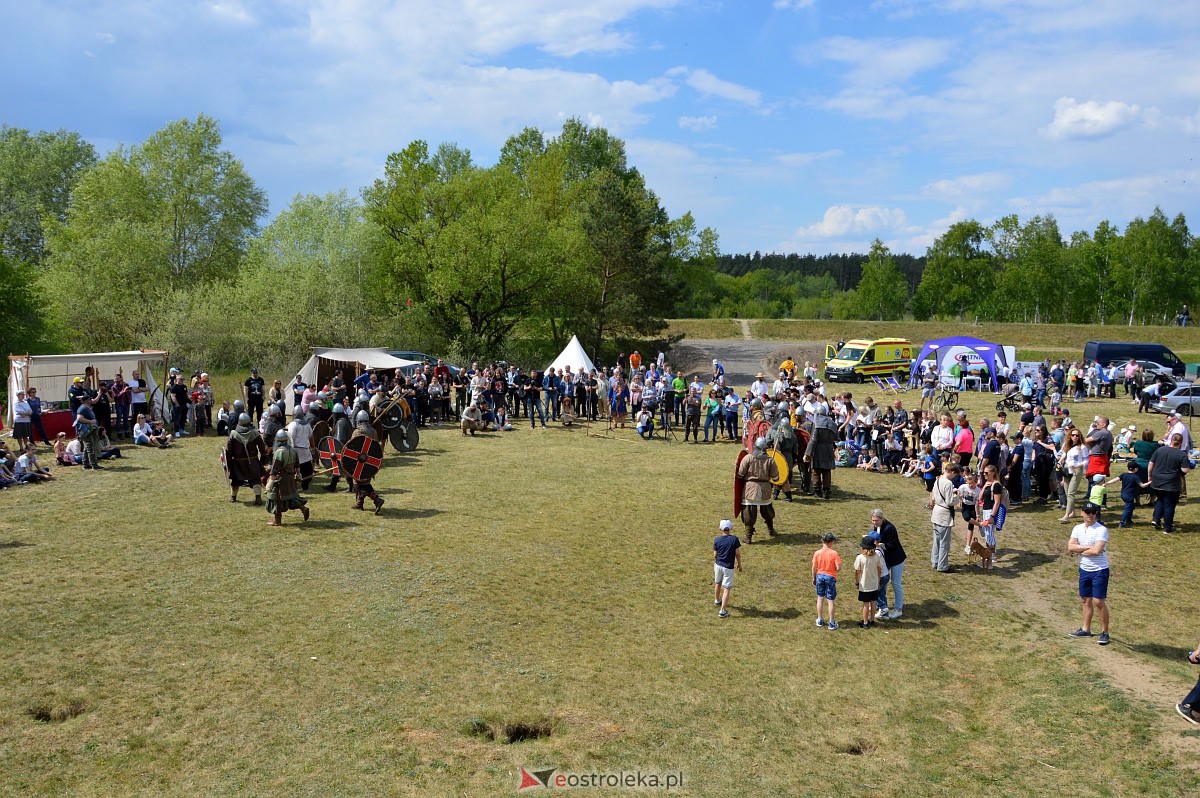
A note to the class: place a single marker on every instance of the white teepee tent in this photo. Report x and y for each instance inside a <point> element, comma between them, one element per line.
<point>573,356</point>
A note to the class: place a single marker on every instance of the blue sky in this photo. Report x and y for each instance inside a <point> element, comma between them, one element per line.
<point>786,125</point>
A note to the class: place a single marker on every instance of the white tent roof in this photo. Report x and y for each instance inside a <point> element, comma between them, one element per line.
<point>52,375</point>
<point>375,358</point>
<point>573,356</point>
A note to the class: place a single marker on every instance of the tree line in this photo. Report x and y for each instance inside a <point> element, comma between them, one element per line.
<point>160,244</point>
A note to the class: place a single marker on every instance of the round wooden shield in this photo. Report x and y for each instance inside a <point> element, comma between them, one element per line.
<point>397,438</point>
<point>412,437</point>
<point>393,416</point>
<point>781,462</point>
<point>330,453</point>
<point>320,430</point>
<point>361,458</point>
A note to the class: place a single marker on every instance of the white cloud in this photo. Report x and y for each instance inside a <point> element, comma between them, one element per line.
<point>786,5</point>
<point>968,186</point>
<point>882,62</point>
<point>231,10</point>
<point>697,123</point>
<point>1074,120</point>
<point>107,38</point>
<point>839,220</point>
<point>450,29</point>
<point>706,82</point>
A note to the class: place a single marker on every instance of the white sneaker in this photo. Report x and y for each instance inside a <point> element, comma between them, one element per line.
<point>894,614</point>
<point>882,615</point>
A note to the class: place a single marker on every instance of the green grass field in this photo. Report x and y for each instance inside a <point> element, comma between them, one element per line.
<point>161,641</point>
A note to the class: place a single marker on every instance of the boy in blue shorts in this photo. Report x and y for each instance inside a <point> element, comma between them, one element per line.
<point>825,564</point>
<point>727,554</point>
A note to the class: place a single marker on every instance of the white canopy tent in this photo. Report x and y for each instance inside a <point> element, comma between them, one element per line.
<point>573,356</point>
<point>325,360</point>
<point>52,375</point>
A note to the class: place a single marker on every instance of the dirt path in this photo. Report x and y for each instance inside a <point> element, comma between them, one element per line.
<point>746,335</point>
<point>742,358</point>
<point>1121,665</point>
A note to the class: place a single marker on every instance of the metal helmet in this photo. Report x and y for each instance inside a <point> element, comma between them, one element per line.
<point>363,416</point>
<point>339,408</point>
<point>244,420</point>
<point>238,406</point>
<point>281,436</point>
<point>821,410</point>
<point>273,410</point>
<point>760,444</point>
<point>322,395</point>
<point>363,396</point>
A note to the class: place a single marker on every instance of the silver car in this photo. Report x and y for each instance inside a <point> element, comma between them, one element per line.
<point>1184,399</point>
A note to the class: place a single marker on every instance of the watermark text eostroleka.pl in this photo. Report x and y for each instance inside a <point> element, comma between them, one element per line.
<point>552,778</point>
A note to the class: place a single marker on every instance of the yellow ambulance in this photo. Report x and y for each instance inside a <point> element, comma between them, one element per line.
<point>860,360</point>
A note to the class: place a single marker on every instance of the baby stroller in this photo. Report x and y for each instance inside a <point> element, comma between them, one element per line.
<point>1012,399</point>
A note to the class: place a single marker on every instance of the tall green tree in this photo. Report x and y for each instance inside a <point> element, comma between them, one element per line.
<point>481,250</point>
<point>1151,275</point>
<point>38,172</point>
<point>174,212</point>
<point>882,291</point>
<point>958,275</point>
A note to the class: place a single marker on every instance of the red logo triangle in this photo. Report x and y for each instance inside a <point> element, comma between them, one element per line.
<point>528,781</point>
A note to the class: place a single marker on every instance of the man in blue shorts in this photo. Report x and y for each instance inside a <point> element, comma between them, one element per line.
<point>1090,540</point>
<point>727,554</point>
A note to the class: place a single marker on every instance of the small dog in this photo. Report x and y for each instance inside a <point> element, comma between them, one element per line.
<point>980,551</point>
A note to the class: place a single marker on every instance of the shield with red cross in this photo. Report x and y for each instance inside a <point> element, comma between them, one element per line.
<point>329,452</point>
<point>361,458</point>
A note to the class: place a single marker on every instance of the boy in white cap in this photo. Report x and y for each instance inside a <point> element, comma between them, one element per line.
<point>727,555</point>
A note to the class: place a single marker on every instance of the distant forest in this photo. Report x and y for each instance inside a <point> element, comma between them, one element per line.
<point>846,270</point>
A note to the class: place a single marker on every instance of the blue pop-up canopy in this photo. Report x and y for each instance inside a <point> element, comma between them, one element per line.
<point>941,349</point>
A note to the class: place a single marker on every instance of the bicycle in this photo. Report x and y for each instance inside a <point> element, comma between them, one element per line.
<point>946,399</point>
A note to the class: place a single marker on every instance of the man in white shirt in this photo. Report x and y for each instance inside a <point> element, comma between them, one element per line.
<point>1177,427</point>
<point>759,386</point>
<point>780,386</point>
<point>942,437</point>
<point>137,396</point>
<point>300,434</point>
<point>1090,541</point>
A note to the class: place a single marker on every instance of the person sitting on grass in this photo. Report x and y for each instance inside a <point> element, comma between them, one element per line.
<point>502,423</point>
<point>27,468</point>
<point>910,464</point>
<point>868,461</point>
<point>147,433</point>
<point>472,419</point>
<point>106,450</point>
<point>225,421</point>
<point>893,450</point>
<point>75,451</point>
<point>645,423</point>
<point>61,454</point>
